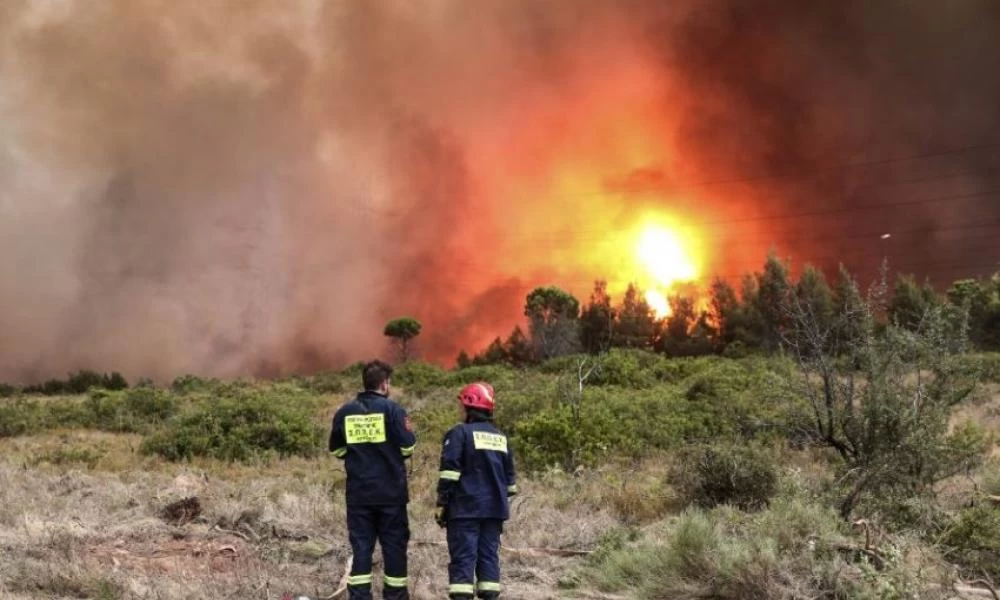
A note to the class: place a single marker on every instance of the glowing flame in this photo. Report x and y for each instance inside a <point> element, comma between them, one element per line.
<point>663,256</point>
<point>658,302</point>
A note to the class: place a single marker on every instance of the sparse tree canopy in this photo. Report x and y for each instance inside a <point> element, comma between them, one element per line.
<point>402,331</point>
<point>885,410</point>
<point>636,326</point>
<point>724,310</point>
<point>773,287</point>
<point>982,300</point>
<point>597,320</point>
<point>553,321</point>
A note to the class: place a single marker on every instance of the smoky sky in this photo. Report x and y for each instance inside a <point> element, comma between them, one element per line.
<point>242,187</point>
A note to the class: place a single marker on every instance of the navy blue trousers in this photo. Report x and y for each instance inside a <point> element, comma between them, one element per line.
<point>474,548</point>
<point>390,525</point>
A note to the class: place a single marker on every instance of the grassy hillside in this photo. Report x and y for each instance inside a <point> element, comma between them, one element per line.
<point>655,478</point>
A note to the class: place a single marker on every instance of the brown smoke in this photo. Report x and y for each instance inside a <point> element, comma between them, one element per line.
<point>242,186</point>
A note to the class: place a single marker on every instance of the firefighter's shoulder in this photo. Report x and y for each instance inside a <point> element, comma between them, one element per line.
<point>453,433</point>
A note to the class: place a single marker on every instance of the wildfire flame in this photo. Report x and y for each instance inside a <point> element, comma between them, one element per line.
<point>664,257</point>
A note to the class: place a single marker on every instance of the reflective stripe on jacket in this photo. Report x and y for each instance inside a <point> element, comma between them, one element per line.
<point>477,472</point>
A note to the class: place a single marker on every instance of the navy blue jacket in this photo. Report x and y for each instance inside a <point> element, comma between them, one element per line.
<point>477,472</point>
<point>373,436</point>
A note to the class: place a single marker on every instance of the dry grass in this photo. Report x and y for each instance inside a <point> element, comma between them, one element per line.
<point>80,517</point>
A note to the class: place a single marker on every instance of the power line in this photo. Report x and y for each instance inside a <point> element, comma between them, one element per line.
<point>673,187</point>
<point>471,262</point>
<point>584,233</point>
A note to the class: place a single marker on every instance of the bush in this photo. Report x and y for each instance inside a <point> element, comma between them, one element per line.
<point>240,427</point>
<point>79,383</point>
<point>19,416</point>
<point>433,422</point>
<point>187,384</point>
<point>325,383</point>
<point>418,377</point>
<point>987,365</point>
<point>501,377</point>
<point>138,410</point>
<point>626,368</point>
<point>973,541</point>
<point>67,413</point>
<point>675,370</point>
<point>606,424</point>
<point>354,371</point>
<point>791,550</point>
<point>742,476</point>
<point>7,390</point>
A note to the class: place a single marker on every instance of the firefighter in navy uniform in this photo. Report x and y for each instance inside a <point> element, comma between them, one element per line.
<point>475,483</point>
<point>373,436</point>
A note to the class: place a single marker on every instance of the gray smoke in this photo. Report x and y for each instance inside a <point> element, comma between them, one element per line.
<point>237,187</point>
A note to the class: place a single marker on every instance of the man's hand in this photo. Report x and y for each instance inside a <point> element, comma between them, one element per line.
<point>441,516</point>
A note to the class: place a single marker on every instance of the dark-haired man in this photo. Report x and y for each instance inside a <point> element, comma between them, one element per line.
<point>373,436</point>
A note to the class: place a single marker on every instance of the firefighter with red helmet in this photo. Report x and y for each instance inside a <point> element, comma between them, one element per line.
<point>475,483</point>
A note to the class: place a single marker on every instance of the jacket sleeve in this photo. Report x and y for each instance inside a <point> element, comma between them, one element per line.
<point>452,450</point>
<point>403,432</point>
<point>338,443</point>
<point>510,471</point>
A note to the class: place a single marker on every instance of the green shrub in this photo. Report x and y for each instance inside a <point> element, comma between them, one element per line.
<point>560,364</point>
<point>501,377</point>
<point>138,410</point>
<point>739,475</point>
<point>19,416</point>
<point>79,383</point>
<point>517,403</point>
<point>986,364</point>
<point>7,390</point>
<point>52,387</point>
<point>613,422</point>
<point>792,550</point>
<point>67,413</point>
<point>675,370</point>
<point>736,350</point>
<point>187,384</point>
<point>973,541</point>
<point>418,377</point>
<point>626,368</point>
<point>354,371</point>
<point>551,438</point>
<point>240,427</point>
<point>608,423</point>
<point>329,382</point>
<point>432,422</point>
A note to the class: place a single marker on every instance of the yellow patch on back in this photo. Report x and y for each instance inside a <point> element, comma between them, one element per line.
<point>365,429</point>
<point>484,440</point>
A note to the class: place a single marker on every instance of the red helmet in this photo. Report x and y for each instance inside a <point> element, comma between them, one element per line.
<point>477,395</point>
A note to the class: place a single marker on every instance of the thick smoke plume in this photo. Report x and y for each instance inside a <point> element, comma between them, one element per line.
<point>249,187</point>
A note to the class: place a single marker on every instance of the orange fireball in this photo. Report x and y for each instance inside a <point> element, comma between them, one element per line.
<point>667,261</point>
